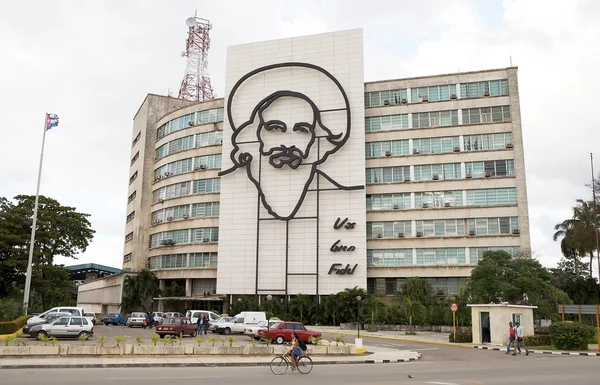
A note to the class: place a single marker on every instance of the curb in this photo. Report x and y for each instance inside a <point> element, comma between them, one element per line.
<point>556,353</point>
<point>193,364</point>
<point>404,339</point>
<point>14,335</point>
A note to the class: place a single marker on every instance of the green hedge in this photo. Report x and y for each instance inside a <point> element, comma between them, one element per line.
<point>14,325</point>
<point>538,340</point>
<point>570,336</point>
<point>461,337</point>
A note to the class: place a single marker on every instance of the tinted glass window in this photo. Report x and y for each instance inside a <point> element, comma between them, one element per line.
<point>276,325</point>
<point>288,327</point>
<point>85,322</point>
<point>62,321</point>
<point>299,327</point>
<point>213,316</point>
<point>239,321</point>
<point>197,314</point>
<point>75,322</point>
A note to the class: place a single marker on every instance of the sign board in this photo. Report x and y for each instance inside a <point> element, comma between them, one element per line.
<point>454,307</point>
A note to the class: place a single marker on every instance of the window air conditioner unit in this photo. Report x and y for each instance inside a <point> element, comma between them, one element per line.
<point>469,175</point>
<point>488,174</point>
<point>407,178</point>
<point>197,168</point>
<point>516,231</point>
<point>202,167</point>
<point>161,200</point>
<point>388,153</point>
<point>419,234</point>
<point>457,149</point>
<point>509,145</point>
<point>453,96</point>
<point>404,101</point>
<point>471,232</point>
<point>425,205</point>
<point>170,219</point>
<point>400,235</point>
<point>379,235</point>
<point>447,204</point>
<point>220,141</point>
<point>159,221</point>
<point>435,177</point>
<point>186,217</point>
<point>425,98</point>
<point>486,93</point>
<point>386,102</point>
<point>205,239</point>
<point>396,207</point>
<point>167,242</point>
<point>416,151</point>
<point>191,124</point>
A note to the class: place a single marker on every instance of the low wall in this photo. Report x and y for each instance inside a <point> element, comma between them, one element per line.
<point>417,328</point>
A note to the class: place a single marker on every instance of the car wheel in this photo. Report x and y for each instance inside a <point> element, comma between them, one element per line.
<point>106,324</point>
<point>115,323</point>
<point>279,340</point>
<point>181,334</point>
<point>161,336</point>
<point>84,334</point>
<point>41,334</point>
<point>227,331</point>
<point>194,334</point>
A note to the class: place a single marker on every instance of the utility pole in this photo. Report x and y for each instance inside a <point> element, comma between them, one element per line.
<point>595,221</point>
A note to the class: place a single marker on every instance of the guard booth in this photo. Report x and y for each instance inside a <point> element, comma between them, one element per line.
<point>490,321</point>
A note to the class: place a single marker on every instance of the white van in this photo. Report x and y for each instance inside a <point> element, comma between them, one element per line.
<point>241,321</point>
<point>76,311</point>
<point>193,315</point>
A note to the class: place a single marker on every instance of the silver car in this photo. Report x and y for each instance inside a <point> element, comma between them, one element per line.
<point>66,327</point>
<point>137,319</point>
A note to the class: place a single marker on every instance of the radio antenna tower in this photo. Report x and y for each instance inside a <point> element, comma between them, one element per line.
<point>196,85</point>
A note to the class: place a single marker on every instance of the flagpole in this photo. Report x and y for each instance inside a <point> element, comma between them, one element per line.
<point>33,225</point>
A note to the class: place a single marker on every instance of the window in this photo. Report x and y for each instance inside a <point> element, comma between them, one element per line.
<point>135,157</point>
<point>438,118</point>
<point>133,177</point>
<point>137,138</point>
<point>486,88</point>
<point>207,162</point>
<point>202,117</point>
<point>387,148</point>
<point>388,202</point>
<point>388,229</point>
<point>441,256</point>
<point>210,116</point>
<point>440,171</point>
<point>172,213</point>
<point>62,321</point>
<point>177,236</point>
<point>387,174</point>
<point>490,168</point>
<point>129,237</point>
<point>436,145</point>
<point>206,234</point>
<point>131,197</point>
<point>492,226</point>
<point>432,94</point>
<point>204,210</point>
<point>386,123</point>
<point>175,168</point>
<point>389,257</point>
<point>486,142</point>
<point>486,115</point>
<point>209,139</point>
<point>441,227</point>
<point>385,98</point>
<point>205,186</point>
<point>203,260</point>
<point>439,199</point>
<point>75,322</point>
<point>446,286</point>
<point>171,191</point>
<point>130,216</point>
<point>127,257</point>
<point>476,253</point>
<point>492,197</point>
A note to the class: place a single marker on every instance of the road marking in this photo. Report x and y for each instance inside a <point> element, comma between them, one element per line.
<point>424,349</point>
<point>443,383</point>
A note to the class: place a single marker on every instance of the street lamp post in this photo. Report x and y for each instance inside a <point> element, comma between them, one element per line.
<point>269,298</point>
<point>358,299</point>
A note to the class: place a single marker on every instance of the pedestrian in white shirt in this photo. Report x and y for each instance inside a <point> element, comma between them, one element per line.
<point>520,340</point>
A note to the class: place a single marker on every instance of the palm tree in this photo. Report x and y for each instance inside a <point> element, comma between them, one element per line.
<point>349,303</point>
<point>373,305</point>
<point>412,309</point>
<point>139,291</point>
<point>418,290</point>
<point>332,307</point>
<point>302,305</point>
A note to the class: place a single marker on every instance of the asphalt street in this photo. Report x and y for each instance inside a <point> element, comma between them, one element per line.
<point>545,370</point>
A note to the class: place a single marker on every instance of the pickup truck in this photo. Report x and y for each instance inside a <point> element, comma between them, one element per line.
<point>114,319</point>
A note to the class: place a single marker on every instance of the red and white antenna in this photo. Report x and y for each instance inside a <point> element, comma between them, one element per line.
<point>196,85</point>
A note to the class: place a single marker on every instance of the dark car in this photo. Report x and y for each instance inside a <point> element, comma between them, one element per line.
<point>47,319</point>
<point>176,327</point>
<point>282,331</point>
<point>114,319</point>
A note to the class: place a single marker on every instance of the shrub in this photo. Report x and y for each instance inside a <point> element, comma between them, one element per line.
<point>537,340</point>
<point>12,326</point>
<point>461,337</point>
<point>569,336</point>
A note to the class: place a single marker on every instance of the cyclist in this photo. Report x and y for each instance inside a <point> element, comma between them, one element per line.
<point>296,350</point>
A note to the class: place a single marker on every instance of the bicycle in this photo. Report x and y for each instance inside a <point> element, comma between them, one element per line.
<point>279,365</point>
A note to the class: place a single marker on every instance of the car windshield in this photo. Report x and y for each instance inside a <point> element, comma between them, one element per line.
<point>89,314</point>
<point>112,315</point>
<point>172,321</point>
<point>275,325</point>
<point>51,319</point>
<point>138,315</point>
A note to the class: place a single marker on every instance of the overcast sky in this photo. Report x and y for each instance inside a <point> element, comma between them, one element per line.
<point>93,62</point>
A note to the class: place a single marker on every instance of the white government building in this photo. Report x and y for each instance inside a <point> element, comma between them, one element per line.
<point>305,179</point>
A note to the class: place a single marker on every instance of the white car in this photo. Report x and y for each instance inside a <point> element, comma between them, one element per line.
<point>66,327</point>
<point>137,319</point>
<point>252,330</point>
<point>158,317</point>
<point>76,311</point>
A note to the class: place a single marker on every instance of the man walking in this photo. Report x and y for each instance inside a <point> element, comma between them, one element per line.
<point>511,339</point>
<point>520,340</point>
<point>200,325</point>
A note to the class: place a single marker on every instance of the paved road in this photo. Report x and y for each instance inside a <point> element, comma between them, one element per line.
<point>545,370</point>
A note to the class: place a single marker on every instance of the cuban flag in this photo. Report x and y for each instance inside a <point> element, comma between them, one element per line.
<point>51,121</point>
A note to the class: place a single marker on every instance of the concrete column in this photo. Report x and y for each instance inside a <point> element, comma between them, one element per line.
<point>188,287</point>
<point>161,286</point>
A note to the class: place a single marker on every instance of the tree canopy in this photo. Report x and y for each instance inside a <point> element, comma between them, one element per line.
<point>139,291</point>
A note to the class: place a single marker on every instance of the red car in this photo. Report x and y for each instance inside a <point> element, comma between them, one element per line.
<point>282,331</point>
<point>176,327</point>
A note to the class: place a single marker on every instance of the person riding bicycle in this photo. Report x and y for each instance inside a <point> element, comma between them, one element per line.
<point>296,350</point>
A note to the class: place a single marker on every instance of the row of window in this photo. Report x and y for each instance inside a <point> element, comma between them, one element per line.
<point>443,227</point>
<point>435,199</point>
<point>198,186</point>
<point>185,260</point>
<point>431,256</point>
<point>437,93</point>
<point>391,286</point>
<point>182,166</point>
<point>432,119</point>
<point>441,145</point>
<point>446,171</point>
<point>176,237</point>
<point>189,142</point>
<point>212,115</point>
<point>195,210</point>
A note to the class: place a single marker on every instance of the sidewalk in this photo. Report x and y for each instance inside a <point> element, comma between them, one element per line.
<point>375,356</point>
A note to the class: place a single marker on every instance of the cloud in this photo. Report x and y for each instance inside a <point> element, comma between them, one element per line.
<point>94,62</point>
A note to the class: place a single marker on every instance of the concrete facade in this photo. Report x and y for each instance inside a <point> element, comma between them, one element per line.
<point>102,295</point>
<point>499,317</point>
<point>443,169</point>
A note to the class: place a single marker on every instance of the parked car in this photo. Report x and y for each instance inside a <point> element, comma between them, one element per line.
<point>64,327</point>
<point>137,319</point>
<point>50,317</point>
<point>282,332</point>
<point>78,311</point>
<point>176,327</point>
<point>238,325</point>
<point>114,319</point>
<point>92,317</point>
<point>158,317</point>
<point>193,315</point>
<point>172,314</point>
<point>213,325</point>
<point>252,330</point>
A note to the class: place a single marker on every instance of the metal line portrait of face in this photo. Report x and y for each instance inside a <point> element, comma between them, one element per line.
<point>288,126</point>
